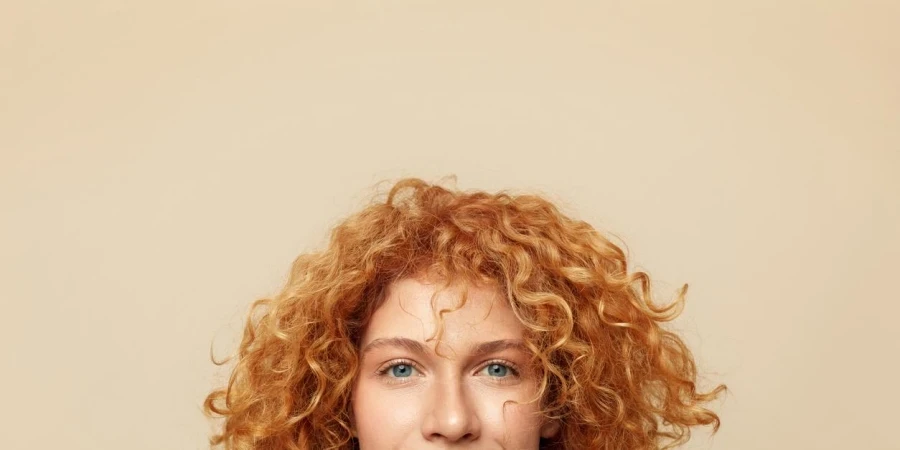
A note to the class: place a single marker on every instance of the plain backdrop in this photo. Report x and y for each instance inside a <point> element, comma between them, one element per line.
<point>163,162</point>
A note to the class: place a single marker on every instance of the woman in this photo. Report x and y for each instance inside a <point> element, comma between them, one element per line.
<point>448,319</point>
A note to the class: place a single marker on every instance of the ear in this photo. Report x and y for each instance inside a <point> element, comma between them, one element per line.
<point>549,429</point>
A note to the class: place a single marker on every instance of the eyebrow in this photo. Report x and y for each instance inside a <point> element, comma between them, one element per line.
<point>404,343</point>
<point>483,348</point>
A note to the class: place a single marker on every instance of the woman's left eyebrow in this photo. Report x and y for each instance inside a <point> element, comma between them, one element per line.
<point>489,347</point>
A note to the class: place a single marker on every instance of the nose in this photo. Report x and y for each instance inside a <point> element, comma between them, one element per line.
<point>451,415</point>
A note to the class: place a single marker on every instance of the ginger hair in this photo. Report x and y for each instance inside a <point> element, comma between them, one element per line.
<point>610,372</point>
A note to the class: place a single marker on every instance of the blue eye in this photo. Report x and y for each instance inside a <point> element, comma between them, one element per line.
<point>401,370</point>
<point>497,370</point>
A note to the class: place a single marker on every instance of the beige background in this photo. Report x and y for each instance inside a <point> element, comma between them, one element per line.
<point>162,163</point>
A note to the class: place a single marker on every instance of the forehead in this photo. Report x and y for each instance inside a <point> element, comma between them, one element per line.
<point>408,310</point>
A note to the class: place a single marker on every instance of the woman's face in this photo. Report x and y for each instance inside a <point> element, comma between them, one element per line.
<point>406,396</point>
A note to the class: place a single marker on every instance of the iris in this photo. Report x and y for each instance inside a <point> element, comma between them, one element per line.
<point>401,370</point>
<point>497,370</point>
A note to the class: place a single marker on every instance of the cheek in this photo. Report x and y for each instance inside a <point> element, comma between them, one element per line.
<point>384,417</point>
<point>517,424</point>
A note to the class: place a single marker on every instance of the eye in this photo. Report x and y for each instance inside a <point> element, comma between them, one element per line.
<point>498,370</point>
<point>401,370</point>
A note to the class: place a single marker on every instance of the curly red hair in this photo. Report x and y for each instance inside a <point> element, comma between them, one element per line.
<point>610,373</point>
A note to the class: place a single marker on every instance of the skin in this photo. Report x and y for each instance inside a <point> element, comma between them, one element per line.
<point>409,396</point>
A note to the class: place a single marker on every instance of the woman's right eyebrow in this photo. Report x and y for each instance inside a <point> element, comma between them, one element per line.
<point>401,342</point>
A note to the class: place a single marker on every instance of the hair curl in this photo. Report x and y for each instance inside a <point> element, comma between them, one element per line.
<point>613,376</point>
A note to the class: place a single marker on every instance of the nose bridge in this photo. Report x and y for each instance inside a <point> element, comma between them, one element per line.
<point>452,412</point>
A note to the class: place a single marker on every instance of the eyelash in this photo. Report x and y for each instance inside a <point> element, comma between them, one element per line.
<point>383,371</point>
